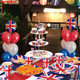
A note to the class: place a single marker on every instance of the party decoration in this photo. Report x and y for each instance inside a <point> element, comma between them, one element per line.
<point>65,52</point>
<point>70,2</point>
<point>73,54</point>
<point>65,34</point>
<point>74,35</point>
<point>71,24</point>
<point>72,15</point>
<point>15,37</point>
<point>63,44</point>
<point>71,46</point>
<point>43,2</point>
<point>11,26</point>
<point>55,2</point>
<point>6,37</point>
<point>6,56</point>
<point>13,49</point>
<point>5,47</point>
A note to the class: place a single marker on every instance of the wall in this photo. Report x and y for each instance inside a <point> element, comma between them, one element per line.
<point>51,17</point>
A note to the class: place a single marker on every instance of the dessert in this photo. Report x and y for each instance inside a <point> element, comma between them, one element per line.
<point>34,30</point>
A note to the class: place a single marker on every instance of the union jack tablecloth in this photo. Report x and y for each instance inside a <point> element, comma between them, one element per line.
<point>45,75</point>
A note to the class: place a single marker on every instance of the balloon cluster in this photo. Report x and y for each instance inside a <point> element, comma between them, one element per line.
<point>69,36</point>
<point>10,39</point>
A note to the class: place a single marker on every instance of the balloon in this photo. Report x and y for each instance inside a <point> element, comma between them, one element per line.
<point>6,56</point>
<point>6,37</point>
<point>55,2</point>
<point>5,47</point>
<point>71,24</point>
<point>64,44</point>
<point>64,51</point>
<point>13,49</point>
<point>72,54</point>
<point>74,35</point>
<point>16,54</point>
<point>11,26</point>
<point>71,46</point>
<point>65,34</point>
<point>70,1</point>
<point>15,37</point>
<point>43,2</point>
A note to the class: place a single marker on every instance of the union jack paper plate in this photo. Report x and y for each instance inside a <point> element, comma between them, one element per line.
<point>74,60</point>
<point>18,59</point>
<point>63,69</point>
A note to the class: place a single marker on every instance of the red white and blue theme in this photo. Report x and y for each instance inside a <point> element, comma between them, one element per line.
<point>11,26</point>
<point>71,24</point>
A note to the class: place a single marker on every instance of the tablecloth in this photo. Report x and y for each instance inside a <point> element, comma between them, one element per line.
<point>41,76</point>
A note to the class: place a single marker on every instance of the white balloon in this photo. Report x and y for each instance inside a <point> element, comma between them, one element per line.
<point>13,49</point>
<point>5,47</point>
<point>71,46</point>
<point>64,44</point>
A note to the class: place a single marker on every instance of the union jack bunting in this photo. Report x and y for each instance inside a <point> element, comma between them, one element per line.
<point>65,69</point>
<point>71,23</point>
<point>46,62</point>
<point>28,60</point>
<point>11,26</point>
<point>50,76</point>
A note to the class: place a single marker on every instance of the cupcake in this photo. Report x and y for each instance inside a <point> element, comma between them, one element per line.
<point>34,30</point>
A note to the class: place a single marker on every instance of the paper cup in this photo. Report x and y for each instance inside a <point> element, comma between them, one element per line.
<point>1,69</point>
<point>29,58</point>
<point>7,66</point>
<point>59,57</point>
<point>46,60</point>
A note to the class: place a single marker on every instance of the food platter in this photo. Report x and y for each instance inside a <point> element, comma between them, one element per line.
<point>38,45</point>
<point>74,60</point>
<point>29,70</point>
<point>66,69</point>
<point>18,59</point>
<point>39,53</point>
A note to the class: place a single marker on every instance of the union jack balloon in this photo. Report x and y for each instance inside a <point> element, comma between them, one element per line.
<point>11,26</point>
<point>71,24</point>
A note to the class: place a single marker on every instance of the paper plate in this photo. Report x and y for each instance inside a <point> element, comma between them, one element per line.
<point>63,70</point>
<point>48,53</point>
<point>18,59</point>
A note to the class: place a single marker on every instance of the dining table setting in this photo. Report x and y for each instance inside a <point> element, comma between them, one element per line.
<point>38,64</point>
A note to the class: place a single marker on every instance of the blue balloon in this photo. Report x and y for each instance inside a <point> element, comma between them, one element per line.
<point>16,54</point>
<point>65,52</point>
<point>6,56</point>
<point>72,54</point>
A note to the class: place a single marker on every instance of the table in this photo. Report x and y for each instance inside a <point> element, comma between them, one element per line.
<point>15,76</point>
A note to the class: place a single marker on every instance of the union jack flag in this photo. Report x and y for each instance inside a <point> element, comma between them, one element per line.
<point>71,24</point>
<point>28,60</point>
<point>7,69</point>
<point>65,69</point>
<point>11,26</point>
<point>49,76</point>
<point>46,62</point>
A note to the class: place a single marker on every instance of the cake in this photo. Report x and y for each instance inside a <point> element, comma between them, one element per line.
<point>34,30</point>
<point>41,30</point>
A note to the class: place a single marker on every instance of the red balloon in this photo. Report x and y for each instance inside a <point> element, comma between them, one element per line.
<point>65,34</point>
<point>6,37</point>
<point>43,2</point>
<point>74,35</point>
<point>15,37</point>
